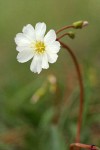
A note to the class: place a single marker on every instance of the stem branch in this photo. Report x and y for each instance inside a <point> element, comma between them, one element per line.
<point>79,145</point>
<point>81,89</point>
<point>62,36</point>
<point>64,28</point>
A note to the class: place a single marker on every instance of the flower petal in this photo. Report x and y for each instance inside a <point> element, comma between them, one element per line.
<point>25,56</point>
<point>21,40</point>
<point>36,65</point>
<point>21,48</point>
<point>45,64</point>
<point>28,30</point>
<point>52,57</point>
<point>40,30</point>
<point>50,37</point>
<point>54,47</point>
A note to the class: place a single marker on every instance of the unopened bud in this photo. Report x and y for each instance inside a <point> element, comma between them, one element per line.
<point>71,34</point>
<point>80,24</point>
<point>85,23</point>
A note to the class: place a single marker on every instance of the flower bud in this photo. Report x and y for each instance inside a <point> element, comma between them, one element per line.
<point>80,24</point>
<point>71,34</point>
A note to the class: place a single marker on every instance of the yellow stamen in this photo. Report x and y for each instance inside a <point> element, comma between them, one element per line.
<point>40,47</point>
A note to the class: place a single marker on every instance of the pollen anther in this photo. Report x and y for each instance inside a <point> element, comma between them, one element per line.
<point>40,47</point>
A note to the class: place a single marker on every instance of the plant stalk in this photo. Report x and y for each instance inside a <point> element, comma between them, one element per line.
<point>81,89</point>
<point>79,145</point>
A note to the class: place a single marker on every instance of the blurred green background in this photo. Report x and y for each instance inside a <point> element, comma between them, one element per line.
<point>40,111</point>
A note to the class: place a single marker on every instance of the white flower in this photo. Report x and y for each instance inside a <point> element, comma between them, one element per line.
<point>33,43</point>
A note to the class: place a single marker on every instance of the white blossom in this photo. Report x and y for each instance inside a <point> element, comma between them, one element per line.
<point>33,44</point>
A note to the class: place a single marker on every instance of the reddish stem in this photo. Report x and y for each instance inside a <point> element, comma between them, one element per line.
<point>79,145</point>
<point>81,89</point>
<point>62,36</point>
<point>64,28</point>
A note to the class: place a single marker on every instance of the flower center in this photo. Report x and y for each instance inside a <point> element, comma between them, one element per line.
<point>40,47</point>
